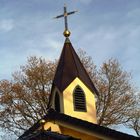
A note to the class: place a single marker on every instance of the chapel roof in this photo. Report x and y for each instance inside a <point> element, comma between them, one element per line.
<point>87,127</point>
<point>46,135</point>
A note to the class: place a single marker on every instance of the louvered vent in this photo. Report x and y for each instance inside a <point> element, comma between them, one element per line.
<point>79,99</point>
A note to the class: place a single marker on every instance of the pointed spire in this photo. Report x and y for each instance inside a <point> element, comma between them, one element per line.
<point>70,67</point>
<point>67,40</point>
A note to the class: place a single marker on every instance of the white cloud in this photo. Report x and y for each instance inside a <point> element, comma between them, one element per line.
<point>134,13</point>
<point>6,25</point>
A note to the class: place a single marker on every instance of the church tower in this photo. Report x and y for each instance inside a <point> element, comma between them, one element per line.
<point>73,92</point>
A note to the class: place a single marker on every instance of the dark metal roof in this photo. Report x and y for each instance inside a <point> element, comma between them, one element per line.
<point>96,129</point>
<point>70,67</point>
<point>46,135</point>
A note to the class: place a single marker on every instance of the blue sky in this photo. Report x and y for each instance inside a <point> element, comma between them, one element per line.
<point>103,28</point>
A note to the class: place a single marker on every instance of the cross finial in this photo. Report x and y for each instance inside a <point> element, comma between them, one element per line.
<point>65,15</point>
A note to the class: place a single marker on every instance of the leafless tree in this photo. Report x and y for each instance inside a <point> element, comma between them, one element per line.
<point>24,99</point>
<point>134,122</point>
<point>117,102</point>
<point>116,98</point>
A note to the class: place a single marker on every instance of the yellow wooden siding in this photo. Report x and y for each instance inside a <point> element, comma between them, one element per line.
<point>90,115</point>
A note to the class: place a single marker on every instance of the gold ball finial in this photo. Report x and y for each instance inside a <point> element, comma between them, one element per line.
<point>66,33</point>
<point>42,121</point>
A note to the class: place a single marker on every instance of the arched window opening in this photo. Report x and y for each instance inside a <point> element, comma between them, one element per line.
<point>79,99</point>
<point>57,102</point>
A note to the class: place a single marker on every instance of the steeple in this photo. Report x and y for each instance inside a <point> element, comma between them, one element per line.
<point>73,92</point>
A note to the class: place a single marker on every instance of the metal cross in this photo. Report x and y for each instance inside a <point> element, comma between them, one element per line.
<point>65,16</point>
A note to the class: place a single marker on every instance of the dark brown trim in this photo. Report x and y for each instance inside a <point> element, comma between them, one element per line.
<point>81,124</point>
